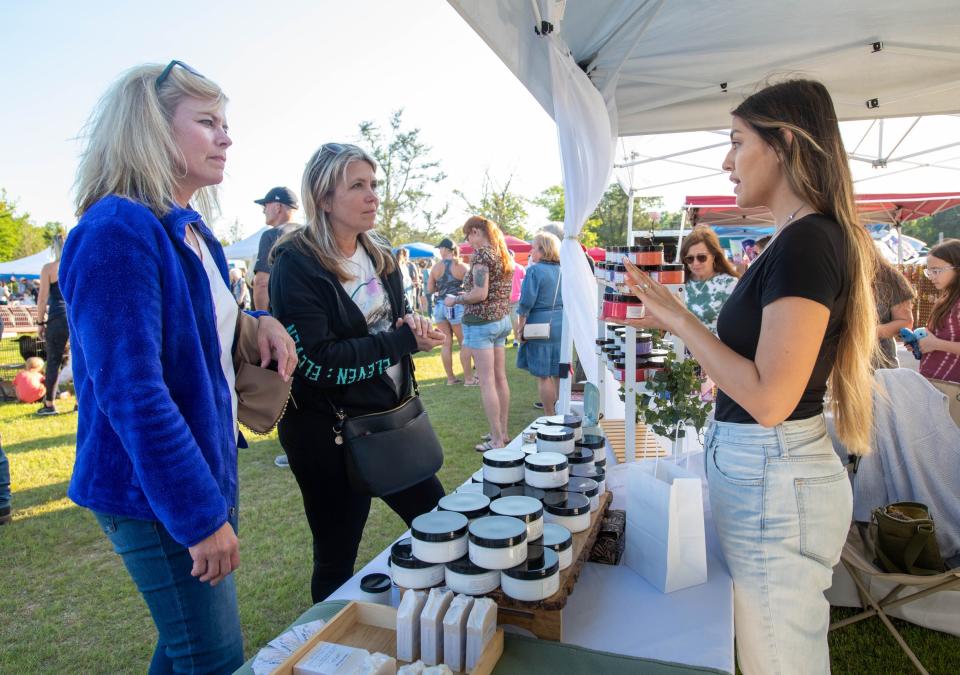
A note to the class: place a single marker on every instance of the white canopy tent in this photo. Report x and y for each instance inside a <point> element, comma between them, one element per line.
<point>609,68</point>
<point>29,266</point>
<point>245,249</point>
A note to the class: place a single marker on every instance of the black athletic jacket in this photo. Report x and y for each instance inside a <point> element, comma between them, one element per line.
<point>339,361</point>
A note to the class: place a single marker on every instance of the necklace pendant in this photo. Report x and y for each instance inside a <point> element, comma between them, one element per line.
<point>338,439</point>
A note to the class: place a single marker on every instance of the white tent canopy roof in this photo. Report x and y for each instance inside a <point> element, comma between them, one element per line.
<point>682,66</point>
<point>245,249</point>
<point>29,266</point>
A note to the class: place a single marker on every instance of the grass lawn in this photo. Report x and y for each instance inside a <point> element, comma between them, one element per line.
<point>69,605</point>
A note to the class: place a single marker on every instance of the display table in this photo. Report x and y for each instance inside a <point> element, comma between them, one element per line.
<point>613,609</point>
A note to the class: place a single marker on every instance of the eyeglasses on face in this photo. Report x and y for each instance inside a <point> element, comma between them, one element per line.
<point>170,66</point>
<point>933,272</point>
<point>700,258</point>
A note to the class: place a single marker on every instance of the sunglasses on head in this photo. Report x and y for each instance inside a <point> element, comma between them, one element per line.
<point>170,66</point>
<point>335,148</point>
<point>700,258</point>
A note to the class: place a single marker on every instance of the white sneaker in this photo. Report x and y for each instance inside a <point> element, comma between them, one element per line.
<point>282,462</point>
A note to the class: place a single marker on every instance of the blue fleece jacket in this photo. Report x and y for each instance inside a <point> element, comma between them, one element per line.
<point>155,435</point>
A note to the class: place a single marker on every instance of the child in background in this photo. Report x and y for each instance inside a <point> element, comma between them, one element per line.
<point>940,363</point>
<point>29,382</point>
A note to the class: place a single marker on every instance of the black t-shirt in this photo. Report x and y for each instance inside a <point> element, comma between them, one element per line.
<point>807,260</point>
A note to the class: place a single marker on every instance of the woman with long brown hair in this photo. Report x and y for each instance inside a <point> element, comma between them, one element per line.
<point>941,348</point>
<point>802,314</point>
<point>486,321</point>
<point>710,276</point>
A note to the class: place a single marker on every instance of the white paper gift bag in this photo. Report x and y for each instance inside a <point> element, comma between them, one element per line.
<point>664,537</point>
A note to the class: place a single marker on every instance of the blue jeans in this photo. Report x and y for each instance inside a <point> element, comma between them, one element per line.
<point>487,335</point>
<point>199,624</point>
<point>4,479</point>
<point>782,505</point>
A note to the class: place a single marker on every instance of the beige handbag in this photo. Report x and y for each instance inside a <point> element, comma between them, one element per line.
<point>541,331</point>
<point>262,394</point>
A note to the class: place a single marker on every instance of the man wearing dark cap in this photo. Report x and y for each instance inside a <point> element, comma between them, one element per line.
<point>278,207</point>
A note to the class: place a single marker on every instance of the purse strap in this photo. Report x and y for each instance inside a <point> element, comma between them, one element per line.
<point>557,291</point>
<point>922,532</point>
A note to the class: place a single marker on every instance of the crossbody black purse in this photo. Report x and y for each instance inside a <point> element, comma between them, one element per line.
<point>389,451</point>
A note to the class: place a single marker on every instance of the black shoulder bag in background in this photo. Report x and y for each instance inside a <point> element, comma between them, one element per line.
<point>389,451</point>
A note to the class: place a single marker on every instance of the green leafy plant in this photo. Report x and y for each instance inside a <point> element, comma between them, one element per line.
<point>672,400</point>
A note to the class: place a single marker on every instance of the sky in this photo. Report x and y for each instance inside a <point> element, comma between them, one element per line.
<point>300,73</point>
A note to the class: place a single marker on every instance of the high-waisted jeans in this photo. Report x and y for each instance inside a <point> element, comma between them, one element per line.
<point>782,505</point>
<point>199,624</point>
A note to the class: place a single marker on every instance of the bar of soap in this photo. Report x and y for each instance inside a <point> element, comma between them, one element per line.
<point>329,658</point>
<point>455,632</point>
<point>431,626</point>
<point>378,664</point>
<point>481,625</point>
<point>437,670</point>
<point>408,625</point>
<point>415,668</point>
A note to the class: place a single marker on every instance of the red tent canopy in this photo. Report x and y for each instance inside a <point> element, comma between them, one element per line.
<point>513,243</point>
<point>889,208</point>
<point>597,253</point>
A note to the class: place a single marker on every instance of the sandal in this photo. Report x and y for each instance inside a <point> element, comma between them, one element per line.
<point>450,383</point>
<point>475,382</point>
<point>486,437</point>
<point>483,447</point>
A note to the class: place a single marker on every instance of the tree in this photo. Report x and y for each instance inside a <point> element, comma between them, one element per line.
<point>500,205</point>
<point>408,174</point>
<point>18,236</point>
<point>928,229</point>
<point>607,225</point>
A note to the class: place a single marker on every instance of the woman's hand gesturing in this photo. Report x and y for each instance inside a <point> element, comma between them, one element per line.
<point>662,309</point>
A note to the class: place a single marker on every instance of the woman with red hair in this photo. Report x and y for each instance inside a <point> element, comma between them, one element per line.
<point>486,321</point>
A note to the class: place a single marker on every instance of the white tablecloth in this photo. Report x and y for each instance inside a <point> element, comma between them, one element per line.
<point>615,610</point>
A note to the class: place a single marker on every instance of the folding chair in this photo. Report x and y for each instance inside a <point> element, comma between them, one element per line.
<point>858,556</point>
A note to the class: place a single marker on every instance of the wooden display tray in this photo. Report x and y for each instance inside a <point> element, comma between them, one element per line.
<point>374,628</point>
<point>545,618</point>
<point>647,446</point>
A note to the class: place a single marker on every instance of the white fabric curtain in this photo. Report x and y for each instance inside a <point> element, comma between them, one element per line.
<point>587,137</point>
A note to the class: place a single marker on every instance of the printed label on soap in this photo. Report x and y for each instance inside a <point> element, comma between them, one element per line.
<point>635,312</point>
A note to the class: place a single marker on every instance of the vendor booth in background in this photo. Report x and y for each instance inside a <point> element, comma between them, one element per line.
<point>418,250</point>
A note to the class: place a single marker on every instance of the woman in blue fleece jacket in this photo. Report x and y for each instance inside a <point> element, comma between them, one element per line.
<point>152,323</point>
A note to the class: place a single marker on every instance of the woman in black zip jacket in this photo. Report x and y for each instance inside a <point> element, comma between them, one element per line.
<point>337,290</point>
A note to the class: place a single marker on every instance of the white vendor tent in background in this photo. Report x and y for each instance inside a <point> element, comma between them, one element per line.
<point>609,68</point>
<point>245,249</point>
<point>26,267</point>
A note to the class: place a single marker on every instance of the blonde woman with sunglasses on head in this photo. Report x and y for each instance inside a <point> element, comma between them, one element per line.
<point>941,348</point>
<point>710,276</point>
<point>152,323</point>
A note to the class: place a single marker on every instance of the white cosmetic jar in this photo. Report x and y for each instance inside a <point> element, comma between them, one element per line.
<point>529,435</point>
<point>529,448</point>
<point>462,576</point>
<point>503,466</point>
<point>527,509</point>
<point>555,439</point>
<point>580,457</point>
<point>489,489</point>
<point>559,539</point>
<point>538,577</point>
<point>376,588</point>
<point>471,504</point>
<point>547,470</point>
<point>587,487</point>
<point>477,476</point>
<point>574,422</point>
<point>497,542</point>
<point>569,509</point>
<point>595,472</point>
<point>408,572</point>
<point>439,536</point>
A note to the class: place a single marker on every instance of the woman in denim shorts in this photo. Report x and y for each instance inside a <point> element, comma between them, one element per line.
<point>802,314</point>
<point>486,321</point>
